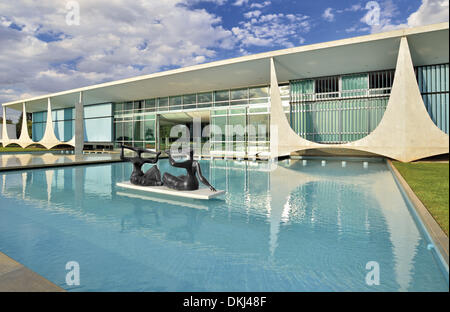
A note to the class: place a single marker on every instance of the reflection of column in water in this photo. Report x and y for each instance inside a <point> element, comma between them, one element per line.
<point>49,178</point>
<point>24,184</point>
<point>79,185</point>
<point>339,207</point>
<point>4,183</point>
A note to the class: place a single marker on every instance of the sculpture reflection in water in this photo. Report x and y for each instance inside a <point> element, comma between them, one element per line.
<point>187,182</point>
<point>152,177</point>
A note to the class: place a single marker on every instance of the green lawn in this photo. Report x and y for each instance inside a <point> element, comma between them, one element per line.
<point>19,149</point>
<point>429,181</point>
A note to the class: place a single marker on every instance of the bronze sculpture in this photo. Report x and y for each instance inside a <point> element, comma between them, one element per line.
<point>152,177</point>
<point>187,182</point>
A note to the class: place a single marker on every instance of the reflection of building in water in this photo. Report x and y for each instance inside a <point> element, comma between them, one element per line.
<point>325,202</point>
<point>272,206</point>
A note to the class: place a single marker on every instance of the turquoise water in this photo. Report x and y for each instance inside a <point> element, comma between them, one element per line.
<point>287,226</point>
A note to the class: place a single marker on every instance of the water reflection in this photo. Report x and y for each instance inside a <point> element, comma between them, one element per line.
<point>300,217</point>
<point>140,219</point>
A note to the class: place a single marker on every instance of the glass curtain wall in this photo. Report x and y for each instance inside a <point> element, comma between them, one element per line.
<point>241,131</point>
<point>136,122</point>
<point>339,109</point>
<point>63,124</point>
<point>135,127</point>
<point>433,85</point>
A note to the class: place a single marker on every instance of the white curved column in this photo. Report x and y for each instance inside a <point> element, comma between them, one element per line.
<point>284,139</point>
<point>406,131</point>
<point>24,139</point>
<point>5,138</point>
<point>49,139</point>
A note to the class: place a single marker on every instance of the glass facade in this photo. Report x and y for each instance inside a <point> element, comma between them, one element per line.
<point>339,109</point>
<point>135,129</point>
<point>433,85</point>
<point>63,124</point>
<point>333,109</point>
<point>97,123</point>
<point>137,124</point>
<point>98,120</point>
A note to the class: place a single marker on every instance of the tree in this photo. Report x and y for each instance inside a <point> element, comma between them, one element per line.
<point>8,121</point>
<point>29,124</point>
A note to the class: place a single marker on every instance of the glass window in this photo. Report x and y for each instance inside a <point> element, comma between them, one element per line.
<point>118,107</point>
<point>258,110</point>
<point>39,117</point>
<point>327,84</point>
<point>350,83</point>
<point>237,111</point>
<point>221,96</point>
<point>68,129</point>
<point>150,105</point>
<point>284,90</point>
<point>128,106</point>
<point>237,128</point>
<point>118,131</point>
<point>258,92</point>
<point>219,112</point>
<point>149,130</point>
<point>189,99</point>
<point>163,103</point>
<point>258,127</point>
<point>205,97</point>
<point>100,110</point>
<point>98,129</point>
<point>239,94</point>
<point>138,104</point>
<point>259,101</point>
<point>69,113</point>
<point>127,131</point>
<point>383,79</point>
<point>218,104</point>
<point>138,144</point>
<point>137,129</point>
<point>175,102</point>
<point>218,131</point>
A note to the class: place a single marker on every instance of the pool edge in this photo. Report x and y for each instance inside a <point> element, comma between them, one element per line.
<point>432,228</point>
<point>15,277</point>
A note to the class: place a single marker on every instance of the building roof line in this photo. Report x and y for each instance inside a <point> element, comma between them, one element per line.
<point>247,58</point>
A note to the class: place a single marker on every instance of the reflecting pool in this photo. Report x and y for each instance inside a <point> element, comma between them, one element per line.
<point>286,226</point>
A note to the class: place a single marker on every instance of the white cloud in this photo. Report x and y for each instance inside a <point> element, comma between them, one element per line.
<point>260,5</point>
<point>115,39</point>
<point>429,12</point>
<point>240,2</point>
<point>251,14</point>
<point>118,39</point>
<point>273,30</point>
<point>218,2</point>
<point>328,15</point>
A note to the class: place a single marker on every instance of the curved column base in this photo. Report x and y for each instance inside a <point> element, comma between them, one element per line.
<point>405,133</point>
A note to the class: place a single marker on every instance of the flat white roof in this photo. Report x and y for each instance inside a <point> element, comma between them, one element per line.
<point>429,45</point>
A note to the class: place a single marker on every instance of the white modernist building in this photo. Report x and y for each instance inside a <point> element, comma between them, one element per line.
<point>382,94</point>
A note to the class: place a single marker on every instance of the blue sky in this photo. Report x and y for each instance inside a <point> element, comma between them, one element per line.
<point>44,49</point>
